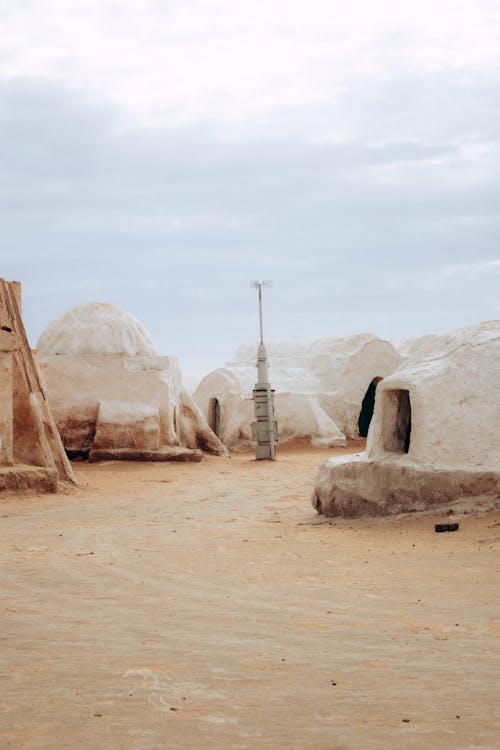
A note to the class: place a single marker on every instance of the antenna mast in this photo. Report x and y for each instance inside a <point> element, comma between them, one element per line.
<point>265,429</point>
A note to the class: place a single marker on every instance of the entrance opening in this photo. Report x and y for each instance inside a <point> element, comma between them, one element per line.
<point>397,421</point>
<point>367,406</point>
<point>82,452</point>
<point>214,416</point>
<point>77,455</point>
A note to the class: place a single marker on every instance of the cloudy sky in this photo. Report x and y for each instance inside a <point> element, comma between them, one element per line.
<point>161,154</point>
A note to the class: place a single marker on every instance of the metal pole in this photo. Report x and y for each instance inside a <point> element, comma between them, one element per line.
<point>263,429</point>
<point>260,313</point>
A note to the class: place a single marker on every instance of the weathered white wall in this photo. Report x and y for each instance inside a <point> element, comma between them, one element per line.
<point>454,386</point>
<point>319,387</point>
<point>108,389</point>
<point>454,451</point>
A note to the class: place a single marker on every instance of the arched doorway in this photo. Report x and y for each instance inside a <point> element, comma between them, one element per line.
<point>367,406</point>
<point>397,420</point>
<point>214,416</point>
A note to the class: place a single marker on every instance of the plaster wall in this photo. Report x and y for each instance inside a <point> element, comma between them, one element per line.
<point>109,391</point>
<point>76,386</point>
<point>453,447</point>
<point>455,401</point>
<point>319,387</point>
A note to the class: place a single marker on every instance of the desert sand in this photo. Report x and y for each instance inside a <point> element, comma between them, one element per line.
<point>189,606</point>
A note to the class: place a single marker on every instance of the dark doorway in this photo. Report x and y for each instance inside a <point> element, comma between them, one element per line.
<point>397,421</point>
<point>214,416</point>
<point>367,406</point>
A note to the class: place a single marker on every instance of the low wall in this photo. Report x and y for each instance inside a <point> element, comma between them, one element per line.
<point>357,486</point>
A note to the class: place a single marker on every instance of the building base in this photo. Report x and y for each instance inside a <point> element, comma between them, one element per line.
<point>357,486</point>
<point>170,453</point>
<point>21,478</point>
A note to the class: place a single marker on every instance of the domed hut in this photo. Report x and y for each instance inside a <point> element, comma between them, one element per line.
<point>324,388</point>
<point>112,396</point>
<point>434,433</point>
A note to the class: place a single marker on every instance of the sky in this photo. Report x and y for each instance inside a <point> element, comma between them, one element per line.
<point>162,154</point>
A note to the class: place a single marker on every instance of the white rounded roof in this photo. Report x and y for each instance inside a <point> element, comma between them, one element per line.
<point>295,349</point>
<point>96,328</point>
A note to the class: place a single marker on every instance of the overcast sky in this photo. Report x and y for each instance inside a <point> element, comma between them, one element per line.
<point>161,154</point>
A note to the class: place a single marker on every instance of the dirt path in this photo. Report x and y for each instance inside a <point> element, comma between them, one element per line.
<point>175,606</point>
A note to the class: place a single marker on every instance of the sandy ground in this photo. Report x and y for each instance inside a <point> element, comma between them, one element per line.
<point>172,606</point>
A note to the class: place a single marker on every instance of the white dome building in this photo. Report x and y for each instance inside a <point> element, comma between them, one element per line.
<point>324,388</point>
<point>112,396</point>
<point>96,328</point>
<point>434,433</point>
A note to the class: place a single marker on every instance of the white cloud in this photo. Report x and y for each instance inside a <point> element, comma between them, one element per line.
<point>160,154</point>
<point>228,61</point>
